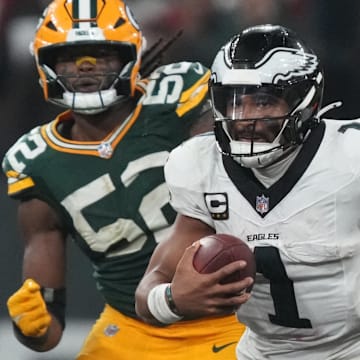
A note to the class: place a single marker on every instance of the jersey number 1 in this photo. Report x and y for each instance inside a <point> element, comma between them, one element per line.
<point>268,263</point>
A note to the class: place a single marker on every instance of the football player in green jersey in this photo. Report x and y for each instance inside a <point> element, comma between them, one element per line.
<point>96,173</point>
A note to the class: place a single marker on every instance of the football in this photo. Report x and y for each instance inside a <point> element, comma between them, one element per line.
<point>218,250</point>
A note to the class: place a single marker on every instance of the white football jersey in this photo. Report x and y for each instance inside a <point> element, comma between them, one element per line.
<point>304,231</point>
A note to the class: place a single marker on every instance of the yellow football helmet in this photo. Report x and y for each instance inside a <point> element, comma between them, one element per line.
<point>74,23</point>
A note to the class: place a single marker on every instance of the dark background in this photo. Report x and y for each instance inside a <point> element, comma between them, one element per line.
<point>331,27</point>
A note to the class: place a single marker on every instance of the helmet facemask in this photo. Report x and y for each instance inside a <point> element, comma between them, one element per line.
<point>111,86</point>
<point>271,128</point>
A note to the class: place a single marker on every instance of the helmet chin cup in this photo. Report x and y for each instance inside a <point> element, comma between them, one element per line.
<point>88,103</point>
<point>252,162</point>
<point>264,153</point>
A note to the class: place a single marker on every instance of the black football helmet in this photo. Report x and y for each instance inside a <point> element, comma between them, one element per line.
<point>269,61</point>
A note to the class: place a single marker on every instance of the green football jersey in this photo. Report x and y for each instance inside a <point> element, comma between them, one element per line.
<point>111,194</point>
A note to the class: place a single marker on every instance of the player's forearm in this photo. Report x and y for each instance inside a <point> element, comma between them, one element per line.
<point>141,307</point>
<point>154,303</point>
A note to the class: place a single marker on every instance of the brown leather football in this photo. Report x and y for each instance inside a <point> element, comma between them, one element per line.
<point>218,250</point>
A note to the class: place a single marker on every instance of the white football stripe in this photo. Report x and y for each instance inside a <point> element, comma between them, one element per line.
<point>84,13</point>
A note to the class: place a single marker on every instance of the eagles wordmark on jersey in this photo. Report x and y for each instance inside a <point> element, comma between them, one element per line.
<point>116,204</point>
<point>305,236</point>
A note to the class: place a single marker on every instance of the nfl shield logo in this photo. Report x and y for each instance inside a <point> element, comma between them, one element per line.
<point>111,330</point>
<point>105,150</point>
<point>262,204</point>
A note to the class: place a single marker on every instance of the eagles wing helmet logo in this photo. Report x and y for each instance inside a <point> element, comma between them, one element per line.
<point>293,63</point>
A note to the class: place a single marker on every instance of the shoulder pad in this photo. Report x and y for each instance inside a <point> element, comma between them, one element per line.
<point>17,159</point>
<point>183,84</point>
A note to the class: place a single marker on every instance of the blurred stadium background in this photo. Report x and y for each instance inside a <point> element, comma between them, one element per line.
<point>331,27</point>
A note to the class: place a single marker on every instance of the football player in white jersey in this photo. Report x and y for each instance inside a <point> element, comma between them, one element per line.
<point>285,180</point>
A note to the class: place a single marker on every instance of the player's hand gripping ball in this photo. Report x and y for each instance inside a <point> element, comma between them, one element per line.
<point>218,250</point>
